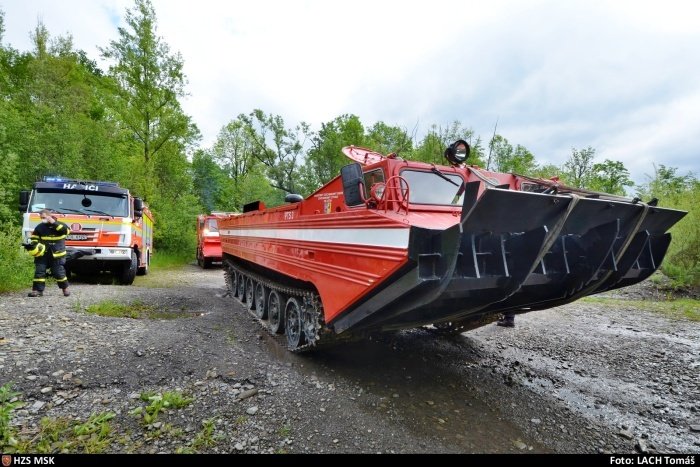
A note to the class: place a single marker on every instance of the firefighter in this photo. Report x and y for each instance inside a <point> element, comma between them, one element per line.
<point>48,246</point>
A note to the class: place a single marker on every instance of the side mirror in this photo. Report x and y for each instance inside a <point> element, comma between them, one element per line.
<point>138,207</point>
<point>293,198</point>
<point>352,179</point>
<point>23,200</point>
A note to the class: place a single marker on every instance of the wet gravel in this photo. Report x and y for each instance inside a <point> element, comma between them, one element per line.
<point>583,378</point>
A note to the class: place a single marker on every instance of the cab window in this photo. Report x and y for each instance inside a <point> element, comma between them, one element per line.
<point>372,177</point>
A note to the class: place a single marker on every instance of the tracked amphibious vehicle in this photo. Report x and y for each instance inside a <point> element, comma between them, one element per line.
<point>393,244</point>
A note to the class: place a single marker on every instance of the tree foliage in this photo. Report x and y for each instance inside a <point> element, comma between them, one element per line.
<point>579,167</point>
<point>279,148</point>
<point>146,83</point>
<point>682,192</point>
<point>324,159</point>
<point>610,177</point>
<point>61,114</point>
<point>511,159</point>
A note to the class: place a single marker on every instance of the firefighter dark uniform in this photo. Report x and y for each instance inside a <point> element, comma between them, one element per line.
<point>48,246</point>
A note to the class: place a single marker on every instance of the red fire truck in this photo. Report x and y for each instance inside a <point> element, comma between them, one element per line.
<point>111,228</point>
<point>208,241</point>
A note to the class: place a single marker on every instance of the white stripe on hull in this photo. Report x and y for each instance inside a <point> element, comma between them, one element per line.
<point>390,238</point>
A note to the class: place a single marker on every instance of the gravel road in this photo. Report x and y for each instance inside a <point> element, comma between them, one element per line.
<point>583,378</point>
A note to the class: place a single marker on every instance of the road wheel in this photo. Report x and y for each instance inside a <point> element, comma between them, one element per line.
<point>231,281</point>
<point>250,293</point>
<point>275,312</point>
<point>293,323</point>
<point>260,301</point>
<point>241,287</point>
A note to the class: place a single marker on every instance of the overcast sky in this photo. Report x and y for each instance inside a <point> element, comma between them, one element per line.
<point>621,76</point>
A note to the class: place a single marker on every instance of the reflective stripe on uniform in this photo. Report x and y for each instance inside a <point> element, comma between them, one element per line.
<point>59,226</point>
<point>39,280</point>
<point>59,254</point>
<point>61,237</point>
<point>62,280</point>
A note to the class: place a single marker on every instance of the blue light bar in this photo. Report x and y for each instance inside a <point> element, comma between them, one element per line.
<point>80,182</point>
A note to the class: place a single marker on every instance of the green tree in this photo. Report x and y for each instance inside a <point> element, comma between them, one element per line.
<point>146,82</point>
<point>682,262</point>
<point>665,182</point>
<point>279,148</point>
<point>237,176</point>
<point>52,115</point>
<point>579,167</point>
<point>211,183</point>
<point>610,177</point>
<point>325,158</point>
<point>386,139</point>
<point>511,159</point>
<point>548,171</point>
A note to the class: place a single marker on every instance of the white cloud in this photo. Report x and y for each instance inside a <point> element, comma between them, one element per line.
<point>619,76</point>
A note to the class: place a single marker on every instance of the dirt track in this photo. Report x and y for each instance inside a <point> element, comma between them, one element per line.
<point>581,378</point>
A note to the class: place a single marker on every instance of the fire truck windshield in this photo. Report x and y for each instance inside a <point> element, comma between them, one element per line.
<point>434,188</point>
<point>212,225</point>
<point>82,203</point>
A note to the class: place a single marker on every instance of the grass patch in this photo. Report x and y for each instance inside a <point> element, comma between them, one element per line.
<point>63,435</point>
<point>16,267</point>
<point>205,438</point>
<point>687,308</point>
<point>8,403</point>
<point>166,260</point>
<point>134,310</point>
<point>160,402</point>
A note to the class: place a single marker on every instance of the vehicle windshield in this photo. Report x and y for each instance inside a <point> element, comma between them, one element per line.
<point>212,225</point>
<point>80,203</point>
<point>433,188</point>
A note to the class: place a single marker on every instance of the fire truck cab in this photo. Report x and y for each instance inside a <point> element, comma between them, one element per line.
<point>208,240</point>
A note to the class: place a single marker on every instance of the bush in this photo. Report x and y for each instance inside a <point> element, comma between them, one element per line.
<point>17,267</point>
<point>682,262</point>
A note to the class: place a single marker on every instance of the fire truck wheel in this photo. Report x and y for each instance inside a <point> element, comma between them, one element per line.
<point>143,269</point>
<point>128,272</point>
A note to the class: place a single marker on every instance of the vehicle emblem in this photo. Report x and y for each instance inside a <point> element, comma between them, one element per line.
<point>75,226</point>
